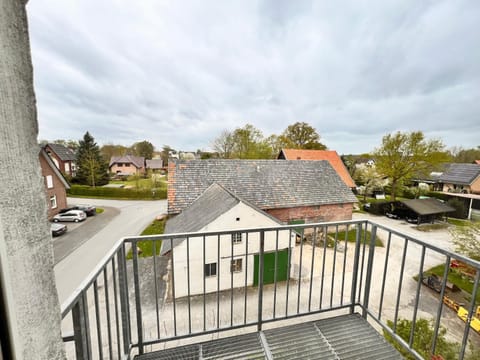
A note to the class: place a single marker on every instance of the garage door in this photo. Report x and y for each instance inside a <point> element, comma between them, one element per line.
<point>269,267</point>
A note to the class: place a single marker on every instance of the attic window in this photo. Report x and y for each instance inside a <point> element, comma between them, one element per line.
<point>237,238</point>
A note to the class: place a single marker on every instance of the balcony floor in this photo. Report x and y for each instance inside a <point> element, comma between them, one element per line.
<point>341,337</point>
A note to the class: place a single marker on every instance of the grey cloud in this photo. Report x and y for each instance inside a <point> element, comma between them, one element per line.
<point>178,73</point>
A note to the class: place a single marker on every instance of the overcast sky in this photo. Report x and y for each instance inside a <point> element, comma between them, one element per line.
<point>179,72</point>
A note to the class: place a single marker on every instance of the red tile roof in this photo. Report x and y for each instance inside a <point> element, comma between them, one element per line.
<point>330,155</point>
<point>477,162</point>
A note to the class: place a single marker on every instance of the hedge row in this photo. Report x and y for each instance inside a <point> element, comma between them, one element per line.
<point>117,193</point>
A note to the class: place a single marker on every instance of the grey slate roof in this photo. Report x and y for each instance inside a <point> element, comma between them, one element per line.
<point>460,173</point>
<point>214,202</point>
<point>138,161</point>
<point>267,184</point>
<point>64,153</point>
<point>428,206</point>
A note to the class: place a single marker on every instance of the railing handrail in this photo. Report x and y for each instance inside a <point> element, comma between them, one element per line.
<point>73,298</point>
<point>242,230</point>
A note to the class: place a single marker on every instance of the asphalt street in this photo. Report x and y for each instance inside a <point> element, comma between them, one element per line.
<point>89,244</point>
<point>79,233</point>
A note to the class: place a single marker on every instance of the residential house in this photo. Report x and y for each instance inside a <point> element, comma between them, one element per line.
<point>55,184</point>
<point>155,165</point>
<point>127,165</point>
<point>217,262</point>
<point>63,158</point>
<point>330,155</point>
<point>290,190</point>
<point>462,178</point>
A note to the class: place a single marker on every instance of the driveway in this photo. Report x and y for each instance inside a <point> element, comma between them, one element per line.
<point>78,233</point>
<point>132,218</point>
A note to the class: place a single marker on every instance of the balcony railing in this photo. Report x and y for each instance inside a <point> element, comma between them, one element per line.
<point>232,282</point>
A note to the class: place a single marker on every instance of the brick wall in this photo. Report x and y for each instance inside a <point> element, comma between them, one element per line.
<point>310,214</point>
<point>170,188</point>
<point>57,190</point>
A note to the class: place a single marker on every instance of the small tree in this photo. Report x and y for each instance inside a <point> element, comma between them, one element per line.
<point>91,168</point>
<point>422,342</point>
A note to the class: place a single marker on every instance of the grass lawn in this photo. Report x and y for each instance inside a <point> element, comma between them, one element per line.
<point>462,281</point>
<point>458,222</point>
<point>147,183</point>
<point>351,237</point>
<point>146,247</point>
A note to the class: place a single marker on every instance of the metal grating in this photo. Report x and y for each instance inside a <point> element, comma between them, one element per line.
<point>353,338</point>
<point>342,337</point>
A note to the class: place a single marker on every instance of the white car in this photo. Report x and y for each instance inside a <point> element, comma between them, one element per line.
<point>71,215</point>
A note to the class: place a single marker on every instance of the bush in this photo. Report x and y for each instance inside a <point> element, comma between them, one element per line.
<point>116,193</point>
<point>460,208</point>
<point>379,207</point>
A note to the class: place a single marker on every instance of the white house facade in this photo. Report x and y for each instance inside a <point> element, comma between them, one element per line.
<point>214,263</point>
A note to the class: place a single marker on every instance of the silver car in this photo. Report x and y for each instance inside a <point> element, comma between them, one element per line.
<point>71,215</point>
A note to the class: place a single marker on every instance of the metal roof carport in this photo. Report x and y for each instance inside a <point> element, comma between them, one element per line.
<point>427,207</point>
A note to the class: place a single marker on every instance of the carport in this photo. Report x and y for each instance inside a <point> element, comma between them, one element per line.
<point>427,209</point>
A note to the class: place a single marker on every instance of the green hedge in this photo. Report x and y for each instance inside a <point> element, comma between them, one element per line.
<point>116,193</point>
<point>379,207</point>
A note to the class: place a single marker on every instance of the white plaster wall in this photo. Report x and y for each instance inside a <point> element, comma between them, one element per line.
<point>248,218</point>
<point>26,253</point>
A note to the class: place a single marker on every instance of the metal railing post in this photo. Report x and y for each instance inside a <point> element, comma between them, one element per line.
<point>368,276</point>
<point>353,294</point>
<point>123,290</point>
<point>138,303</point>
<point>260,279</point>
<point>81,329</point>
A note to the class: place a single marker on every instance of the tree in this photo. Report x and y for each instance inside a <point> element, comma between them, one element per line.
<point>250,144</point>
<point>91,168</point>
<point>109,150</point>
<point>403,155</point>
<point>369,178</point>
<point>224,144</point>
<point>302,136</point>
<point>422,341</point>
<point>460,155</point>
<point>71,144</point>
<point>467,239</point>
<point>144,149</point>
<point>165,154</point>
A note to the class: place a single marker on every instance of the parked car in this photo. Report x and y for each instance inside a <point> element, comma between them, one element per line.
<point>366,207</point>
<point>58,229</point>
<point>71,215</point>
<point>90,210</point>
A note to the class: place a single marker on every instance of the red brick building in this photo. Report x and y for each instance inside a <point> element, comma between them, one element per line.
<point>55,184</point>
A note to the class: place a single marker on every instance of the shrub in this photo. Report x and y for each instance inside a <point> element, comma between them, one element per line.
<point>379,207</point>
<point>116,193</point>
<point>460,208</point>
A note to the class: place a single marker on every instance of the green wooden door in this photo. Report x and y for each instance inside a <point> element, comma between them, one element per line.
<point>269,267</point>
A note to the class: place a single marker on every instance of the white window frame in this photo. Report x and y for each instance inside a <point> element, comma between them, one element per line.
<point>237,238</point>
<point>49,180</point>
<point>207,268</point>
<point>236,265</point>
<point>53,202</point>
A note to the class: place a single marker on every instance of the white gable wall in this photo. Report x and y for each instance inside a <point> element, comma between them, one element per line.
<point>247,218</point>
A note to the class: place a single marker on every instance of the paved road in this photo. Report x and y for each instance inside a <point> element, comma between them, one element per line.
<point>133,217</point>
<point>78,233</point>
